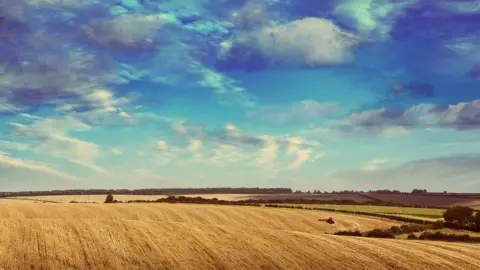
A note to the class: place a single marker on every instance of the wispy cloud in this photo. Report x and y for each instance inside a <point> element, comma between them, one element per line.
<point>9,161</point>
<point>50,137</point>
<point>303,112</point>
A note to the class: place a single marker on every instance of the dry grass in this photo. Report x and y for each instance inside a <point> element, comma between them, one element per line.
<point>161,236</point>
<point>232,216</point>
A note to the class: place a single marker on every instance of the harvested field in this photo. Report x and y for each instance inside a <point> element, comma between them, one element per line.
<point>141,236</point>
<point>237,216</point>
<point>427,200</point>
<point>400,211</point>
<point>419,217</point>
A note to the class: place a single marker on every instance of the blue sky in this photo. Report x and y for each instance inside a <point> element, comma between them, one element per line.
<point>359,94</point>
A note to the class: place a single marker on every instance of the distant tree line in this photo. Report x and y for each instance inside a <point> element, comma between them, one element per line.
<point>223,190</point>
<point>151,191</point>
<point>184,199</point>
<point>283,203</point>
<point>462,217</point>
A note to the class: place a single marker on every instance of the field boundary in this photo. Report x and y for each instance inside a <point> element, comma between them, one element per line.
<point>200,200</point>
<point>387,216</point>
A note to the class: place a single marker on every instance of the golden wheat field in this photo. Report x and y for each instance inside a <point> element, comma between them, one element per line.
<point>181,236</point>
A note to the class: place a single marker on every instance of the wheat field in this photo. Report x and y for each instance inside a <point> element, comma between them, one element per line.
<point>164,236</point>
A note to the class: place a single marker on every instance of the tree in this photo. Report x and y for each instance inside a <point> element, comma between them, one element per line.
<point>109,199</point>
<point>458,215</point>
<point>476,221</point>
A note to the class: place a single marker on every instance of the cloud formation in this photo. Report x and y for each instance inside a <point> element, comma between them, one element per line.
<point>230,145</point>
<point>436,174</point>
<point>50,137</point>
<point>460,116</point>
<point>143,90</point>
<point>305,42</point>
<point>302,112</point>
<point>8,161</point>
<point>380,121</point>
<point>129,32</point>
<point>374,18</point>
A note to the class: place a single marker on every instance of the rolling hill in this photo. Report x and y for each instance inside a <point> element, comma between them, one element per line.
<point>161,236</point>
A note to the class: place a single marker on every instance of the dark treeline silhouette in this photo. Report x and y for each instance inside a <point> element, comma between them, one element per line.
<point>195,200</point>
<point>283,203</point>
<point>150,191</point>
<point>241,190</point>
<point>386,191</point>
<point>462,217</point>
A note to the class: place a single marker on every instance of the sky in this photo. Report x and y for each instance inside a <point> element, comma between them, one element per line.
<point>328,95</point>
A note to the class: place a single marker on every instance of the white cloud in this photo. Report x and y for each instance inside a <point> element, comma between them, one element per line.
<point>117,152</point>
<point>371,17</point>
<point>124,115</point>
<point>305,42</point>
<point>302,155</point>
<point>231,145</point>
<point>6,160</point>
<point>464,115</point>
<point>99,106</point>
<point>268,154</point>
<point>394,131</point>
<point>252,15</point>
<point>226,89</point>
<point>470,7</point>
<point>161,144</point>
<point>379,161</point>
<point>126,32</point>
<point>387,122</point>
<point>436,173</point>
<point>225,153</point>
<point>195,145</point>
<point>369,168</point>
<point>373,165</point>
<point>29,116</point>
<point>7,107</point>
<point>50,137</point>
<point>14,145</point>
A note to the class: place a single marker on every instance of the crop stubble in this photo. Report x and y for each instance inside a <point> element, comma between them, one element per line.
<point>160,236</point>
